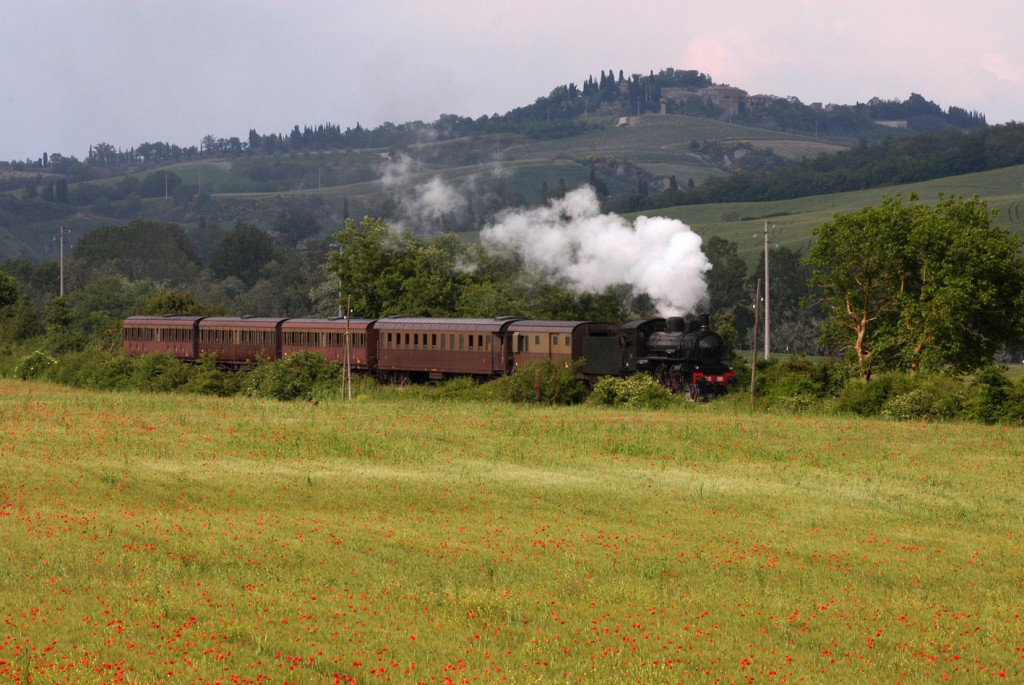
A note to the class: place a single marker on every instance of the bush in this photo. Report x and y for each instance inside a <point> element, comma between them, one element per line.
<point>931,398</point>
<point>36,365</point>
<point>638,390</point>
<point>867,399</point>
<point>206,379</point>
<point>548,381</point>
<point>94,369</point>
<point>995,398</point>
<point>297,376</point>
<point>159,373</point>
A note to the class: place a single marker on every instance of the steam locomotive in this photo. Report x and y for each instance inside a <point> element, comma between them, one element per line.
<point>686,358</point>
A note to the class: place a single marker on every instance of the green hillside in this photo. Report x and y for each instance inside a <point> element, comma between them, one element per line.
<point>795,220</point>
<point>490,171</point>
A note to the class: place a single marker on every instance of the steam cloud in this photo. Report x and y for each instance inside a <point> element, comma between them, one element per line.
<point>421,207</point>
<point>571,238</point>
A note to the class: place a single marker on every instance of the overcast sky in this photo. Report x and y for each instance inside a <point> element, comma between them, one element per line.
<point>76,72</point>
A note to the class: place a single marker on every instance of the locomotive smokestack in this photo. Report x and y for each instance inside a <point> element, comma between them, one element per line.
<point>705,322</point>
<point>675,324</point>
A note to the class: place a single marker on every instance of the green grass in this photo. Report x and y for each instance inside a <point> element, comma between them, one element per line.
<point>212,540</point>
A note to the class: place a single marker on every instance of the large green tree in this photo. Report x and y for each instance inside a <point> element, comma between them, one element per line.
<point>919,287</point>
<point>387,272</point>
<point>242,253</point>
<point>294,223</point>
<point>140,250</point>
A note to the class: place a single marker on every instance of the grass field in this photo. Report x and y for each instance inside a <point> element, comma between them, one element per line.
<point>161,539</point>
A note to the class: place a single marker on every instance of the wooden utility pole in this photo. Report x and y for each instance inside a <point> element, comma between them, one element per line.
<point>62,231</point>
<point>348,346</point>
<point>753,363</point>
<point>767,311</point>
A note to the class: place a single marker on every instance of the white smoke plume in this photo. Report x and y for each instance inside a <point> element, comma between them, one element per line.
<point>421,207</point>
<point>571,238</point>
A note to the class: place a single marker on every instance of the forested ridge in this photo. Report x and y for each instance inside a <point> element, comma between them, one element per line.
<point>57,185</point>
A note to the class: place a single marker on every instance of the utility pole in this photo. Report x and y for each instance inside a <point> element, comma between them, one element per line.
<point>62,230</point>
<point>767,310</point>
<point>753,362</point>
<point>348,346</point>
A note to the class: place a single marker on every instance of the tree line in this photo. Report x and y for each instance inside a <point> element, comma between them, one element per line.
<point>902,298</point>
<point>942,288</point>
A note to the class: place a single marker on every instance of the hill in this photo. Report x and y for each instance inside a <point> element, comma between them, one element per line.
<point>644,142</point>
<point>795,219</point>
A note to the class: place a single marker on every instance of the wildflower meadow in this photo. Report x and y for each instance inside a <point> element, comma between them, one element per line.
<point>158,538</point>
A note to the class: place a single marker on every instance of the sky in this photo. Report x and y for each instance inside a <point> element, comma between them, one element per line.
<point>124,72</point>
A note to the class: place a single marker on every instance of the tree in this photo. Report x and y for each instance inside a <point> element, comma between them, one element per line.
<point>388,273</point>
<point>295,223</point>
<point>369,266</point>
<point>242,253</point>
<point>964,300</point>
<point>727,288</point>
<point>918,287</point>
<point>169,302</point>
<point>9,291</point>
<point>140,250</point>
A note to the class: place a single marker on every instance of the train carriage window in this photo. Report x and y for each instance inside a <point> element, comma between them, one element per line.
<point>442,341</point>
<point>451,341</point>
<point>389,341</point>
<point>407,340</point>
<point>433,341</point>
<point>568,343</point>
<point>554,341</point>
<point>471,342</point>
<point>479,342</point>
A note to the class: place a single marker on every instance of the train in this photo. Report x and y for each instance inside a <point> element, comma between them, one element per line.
<point>686,356</point>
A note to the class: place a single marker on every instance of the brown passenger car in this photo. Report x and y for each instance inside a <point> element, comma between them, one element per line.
<point>423,347</point>
<point>327,337</point>
<point>599,344</point>
<point>173,335</point>
<point>237,342</point>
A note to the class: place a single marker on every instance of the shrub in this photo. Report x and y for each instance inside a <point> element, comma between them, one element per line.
<point>206,379</point>
<point>548,381</point>
<point>867,399</point>
<point>793,384</point>
<point>638,390</point>
<point>930,398</point>
<point>35,365</point>
<point>995,398</point>
<point>159,373</point>
<point>296,376</point>
<point>95,369</point>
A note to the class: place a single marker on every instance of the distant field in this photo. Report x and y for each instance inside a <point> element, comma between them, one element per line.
<point>795,220</point>
<point>153,540</point>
